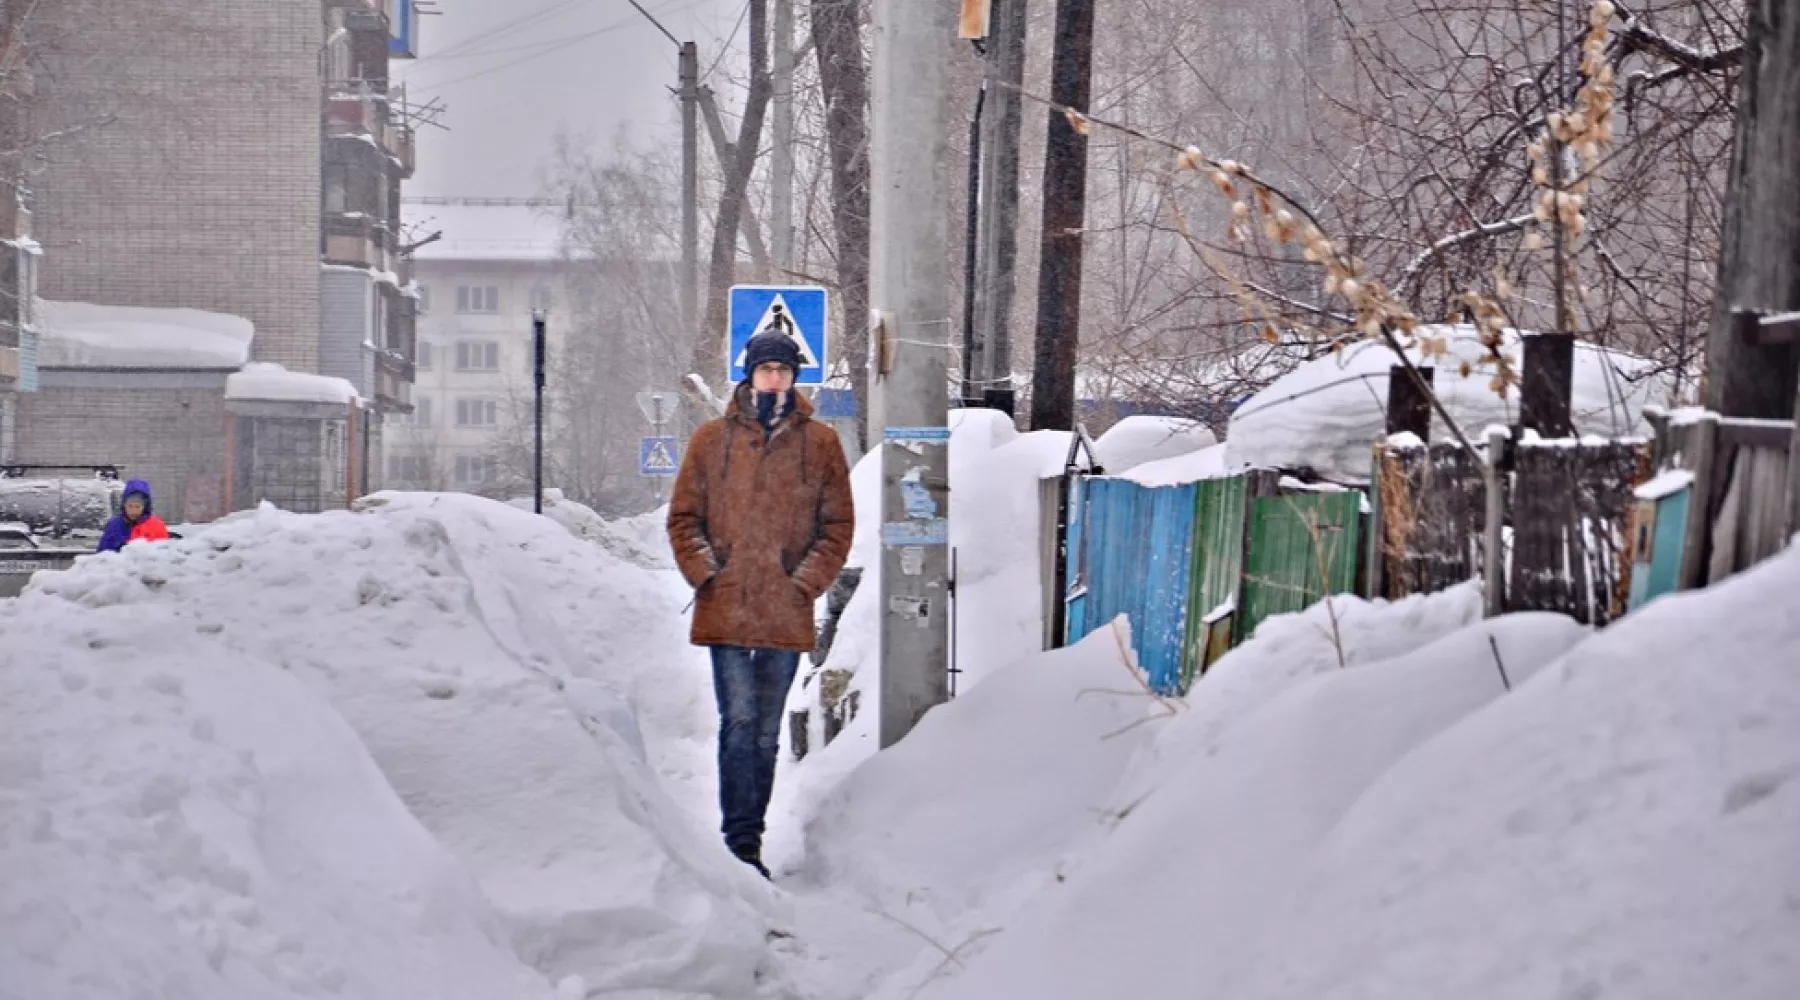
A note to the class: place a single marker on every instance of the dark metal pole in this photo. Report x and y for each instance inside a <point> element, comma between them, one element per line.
<point>537,377</point>
<point>1065,209</point>
<point>974,344</point>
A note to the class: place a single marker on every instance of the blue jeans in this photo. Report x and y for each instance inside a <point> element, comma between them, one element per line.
<point>751,686</point>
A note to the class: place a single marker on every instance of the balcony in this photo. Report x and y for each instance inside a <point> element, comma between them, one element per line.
<point>354,239</point>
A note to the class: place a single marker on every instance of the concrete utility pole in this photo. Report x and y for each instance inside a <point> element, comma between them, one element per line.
<point>781,157</point>
<point>1065,209</point>
<point>909,400</point>
<point>998,238</point>
<point>690,189</point>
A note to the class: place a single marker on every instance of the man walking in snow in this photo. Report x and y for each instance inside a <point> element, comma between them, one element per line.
<point>137,522</point>
<point>760,521</point>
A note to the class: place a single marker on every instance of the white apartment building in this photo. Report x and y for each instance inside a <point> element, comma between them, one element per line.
<point>478,285</point>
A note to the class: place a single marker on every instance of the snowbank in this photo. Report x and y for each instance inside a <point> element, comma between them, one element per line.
<point>987,787</point>
<point>497,669</point>
<point>180,819</point>
<point>1328,413</point>
<point>86,335</point>
<point>1136,440</point>
<point>273,383</point>
<point>1359,809</point>
<point>627,541</point>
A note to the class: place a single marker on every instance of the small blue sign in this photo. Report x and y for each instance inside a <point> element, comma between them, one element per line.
<point>799,311</point>
<point>658,457</point>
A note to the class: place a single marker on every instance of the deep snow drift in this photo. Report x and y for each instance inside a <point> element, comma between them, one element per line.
<point>496,669</point>
<point>1362,810</point>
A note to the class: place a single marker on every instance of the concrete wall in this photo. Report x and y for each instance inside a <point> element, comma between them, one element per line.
<point>194,177</point>
<point>99,418</point>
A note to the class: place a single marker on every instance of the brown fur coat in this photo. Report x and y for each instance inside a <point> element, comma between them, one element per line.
<point>760,522</point>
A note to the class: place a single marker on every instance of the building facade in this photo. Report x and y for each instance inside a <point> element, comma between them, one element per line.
<point>238,158</point>
<point>367,305</point>
<point>478,282</point>
<point>187,135</point>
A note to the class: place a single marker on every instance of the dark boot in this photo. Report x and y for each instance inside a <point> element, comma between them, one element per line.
<point>751,854</point>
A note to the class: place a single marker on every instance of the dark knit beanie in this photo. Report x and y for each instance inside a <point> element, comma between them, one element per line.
<point>771,346</point>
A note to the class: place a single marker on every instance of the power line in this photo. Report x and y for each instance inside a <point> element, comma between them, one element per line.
<point>508,27</point>
<point>540,49</point>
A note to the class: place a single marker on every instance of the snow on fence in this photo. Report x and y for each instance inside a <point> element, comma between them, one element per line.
<point>1198,566</point>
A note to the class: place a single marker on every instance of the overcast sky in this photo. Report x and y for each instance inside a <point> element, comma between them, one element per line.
<point>511,72</point>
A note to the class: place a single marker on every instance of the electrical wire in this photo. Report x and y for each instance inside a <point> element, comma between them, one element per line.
<point>543,49</point>
<point>550,9</point>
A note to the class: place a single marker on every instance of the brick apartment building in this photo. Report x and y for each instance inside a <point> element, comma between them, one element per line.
<point>194,172</point>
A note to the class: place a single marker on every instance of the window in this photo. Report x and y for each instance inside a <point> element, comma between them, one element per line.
<point>477,299</point>
<point>478,356</point>
<point>473,470</point>
<point>337,188</point>
<point>408,469</point>
<point>477,413</point>
<point>541,297</point>
<point>422,360</point>
<point>420,415</point>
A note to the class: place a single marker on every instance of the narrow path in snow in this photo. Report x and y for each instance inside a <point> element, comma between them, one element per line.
<point>835,946</point>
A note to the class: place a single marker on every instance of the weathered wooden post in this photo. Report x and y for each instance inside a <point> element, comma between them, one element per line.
<point>1409,402</point>
<point>1548,379</point>
<point>1493,566</point>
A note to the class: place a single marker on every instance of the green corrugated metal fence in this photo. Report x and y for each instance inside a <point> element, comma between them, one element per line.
<point>1301,547</point>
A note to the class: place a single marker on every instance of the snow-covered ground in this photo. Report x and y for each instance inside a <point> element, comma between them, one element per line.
<point>441,747</point>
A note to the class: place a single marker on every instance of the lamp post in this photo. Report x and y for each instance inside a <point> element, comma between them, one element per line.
<point>537,378</point>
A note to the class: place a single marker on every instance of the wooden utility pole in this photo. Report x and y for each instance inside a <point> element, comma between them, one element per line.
<point>1065,214</point>
<point>909,398</point>
<point>998,236</point>
<point>1759,260</point>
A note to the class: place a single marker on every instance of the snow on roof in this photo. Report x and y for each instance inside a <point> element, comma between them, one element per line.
<point>1328,413</point>
<point>1136,440</point>
<point>1193,467</point>
<point>273,383</point>
<point>88,335</point>
<point>486,232</point>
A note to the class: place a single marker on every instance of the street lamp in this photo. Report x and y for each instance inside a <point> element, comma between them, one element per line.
<point>537,378</point>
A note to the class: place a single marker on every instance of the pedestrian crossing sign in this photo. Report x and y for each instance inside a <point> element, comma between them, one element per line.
<point>796,310</point>
<point>658,457</point>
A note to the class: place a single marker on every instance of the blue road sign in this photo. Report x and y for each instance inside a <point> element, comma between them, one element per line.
<point>797,310</point>
<point>658,457</point>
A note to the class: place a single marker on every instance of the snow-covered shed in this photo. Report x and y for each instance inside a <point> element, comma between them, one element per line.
<point>140,388</point>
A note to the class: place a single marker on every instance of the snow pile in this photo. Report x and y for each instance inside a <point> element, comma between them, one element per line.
<point>496,669</point>
<point>1136,440</point>
<point>993,527</point>
<point>1352,805</point>
<point>268,382</point>
<point>1328,413</point>
<point>626,541</point>
<point>1207,463</point>
<point>987,789</point>
<point>179,819</point>
<point>87,335</point>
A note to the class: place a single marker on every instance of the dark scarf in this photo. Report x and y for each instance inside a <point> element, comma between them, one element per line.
<point>772,406</point>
